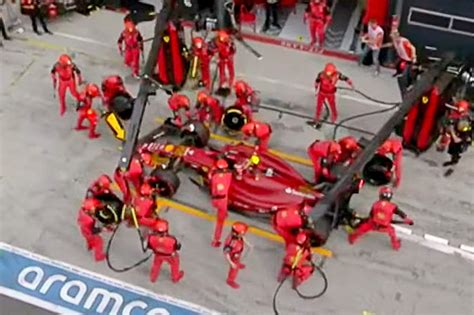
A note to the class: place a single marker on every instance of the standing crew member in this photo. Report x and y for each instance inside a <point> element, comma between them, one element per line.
<point>133,40</point>
<point>245,98</point>
<point>101,186</point>
<point>233,248</point>
<point>145,204</point>
<point>225,59</point>
<point>208,108</point>
<point>86,111</point>
<point>200,50</point>
<point>381,218</point>
<point>179,103</point>
<point>33,8</point>
<point>165,247</point>
<point>297,261</point>
<point>220,180</point>
<point>406,59</point>
<point>68,75</point>
<point>323,154</point>
<point>457,132</point>
<point>319,18</point>
<point>260,130</point>
<point>87,223</point>
<point>393,147</point>
<point>373,40</point>
<point>325,86</point>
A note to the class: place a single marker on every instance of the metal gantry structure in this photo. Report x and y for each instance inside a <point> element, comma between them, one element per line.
<point>326,205</point>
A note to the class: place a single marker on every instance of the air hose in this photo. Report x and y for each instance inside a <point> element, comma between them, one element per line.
<point>301,295</point>
<point>368,97</point>
<point>109,245</point>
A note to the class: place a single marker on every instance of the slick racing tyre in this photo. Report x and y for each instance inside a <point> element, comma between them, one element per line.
<point>322,229</point>
<point>195,133</point>
<point>165,181</point>
<point>111,213</point>
<point>378,171</point>
<point>122,105</point>
<point>234,118</point>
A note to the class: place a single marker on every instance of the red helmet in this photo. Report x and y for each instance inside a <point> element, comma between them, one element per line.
<point>330,69</point>
<point>145,190</point>
<point>104,181</point>
<point>179,100</point>
<point>129,26</point>
<point>202,97</point>
<point>65,60</point>
<point>463,106</point>
<point>385,193</point>
<point>221,164</point>
<point>301,238</point>
<point>161,226</point>
<point>92,90</point>
<point>240,87</point>
<point>198,42</point>
<point>239,228</point>
<point>90,204</point>
<point>222,36</point>
<point>146,158</point>
<point>334,148</point>
<point>348,143</point>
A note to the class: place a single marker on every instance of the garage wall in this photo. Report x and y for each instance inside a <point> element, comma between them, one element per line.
<point>444,24</point>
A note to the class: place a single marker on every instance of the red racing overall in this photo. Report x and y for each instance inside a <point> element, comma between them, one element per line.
<point>201,51</point>
<point>87,225</point>
<point>297,262</point>
<point>259,130</point>
<point>111,86</point>
<point>323,154</point>
<point>380,221</point>
<point>145,206</point>
<point>165,247</point>
<point>225,59</point>
<point>220,184</point>
<point>86,112</point>
<point>209,109</point>
<point>325,85</point>
<point>286,221</point>
<point>101,186</point>
<point>68,76</point>
<point>179,103</point>
<point>133,46</point>
<point>393,147</point>
<point>233,247</point>
<point>244,97</point>
<point>319,18</point>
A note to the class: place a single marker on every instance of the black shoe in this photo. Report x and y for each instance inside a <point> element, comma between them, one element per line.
<point>8,38</point>
<point>277,26</point>
<point>49,32</point>
<point>38,33</point>
<point>265,29</point>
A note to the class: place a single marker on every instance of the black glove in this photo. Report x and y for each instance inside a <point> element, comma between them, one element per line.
<point>178,246</point>
<point>96,230</point>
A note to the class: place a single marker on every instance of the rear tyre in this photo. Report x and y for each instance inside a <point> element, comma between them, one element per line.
<point>165,181</point>
<point>234,119</point>
<point>322,229</point>
<point>111,213</point>
<point>378,171</point>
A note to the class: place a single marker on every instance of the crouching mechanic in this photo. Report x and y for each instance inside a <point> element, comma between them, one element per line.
<point>246,98</point>
<point>88,225</point>
<point>381,218</point>
<point>233,249</point>
<point>180,105</point>
<point>208,109</point>
<point>323,154</point>
<point>297,261</point>
<point>165,248</point>
<point>260,130</point>
<point>393,147</point>
<point>287,222</point>
<point>86,111</point>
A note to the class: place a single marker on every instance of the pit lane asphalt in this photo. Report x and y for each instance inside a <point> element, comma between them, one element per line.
<point>46,167</point>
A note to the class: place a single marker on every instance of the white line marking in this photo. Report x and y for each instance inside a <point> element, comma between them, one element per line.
<point>436,239</point>
<point>308,89</point>
<point>467,248</point>
<point>105,279</point>
<point>403,230</point>
<point>84,39</point>
<point>28,299</point>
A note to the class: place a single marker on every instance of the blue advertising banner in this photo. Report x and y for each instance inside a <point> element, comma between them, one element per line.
<point>63,288</point>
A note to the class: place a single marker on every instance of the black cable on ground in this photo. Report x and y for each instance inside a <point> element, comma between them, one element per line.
<point>301,295</point>
<point>369,97</point>
<point>107,253</point>
<point>376,112</point>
